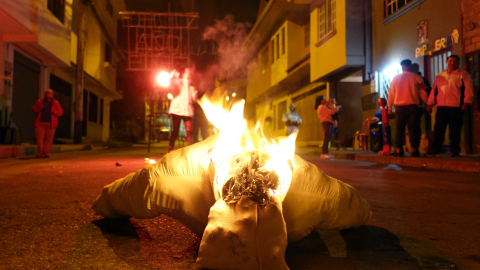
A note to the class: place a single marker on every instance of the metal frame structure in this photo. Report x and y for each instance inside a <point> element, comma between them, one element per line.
<point>156,40</point>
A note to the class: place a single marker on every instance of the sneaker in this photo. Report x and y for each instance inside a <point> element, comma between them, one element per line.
<point>325,156</point>
<point>331,156</point>
<point>432,155</point>
<point>454,155</point>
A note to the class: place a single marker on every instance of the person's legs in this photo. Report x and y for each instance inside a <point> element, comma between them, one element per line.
<point>49,133</point>
<point>40,135</point>
<point>413,122</point>
<point>327,129</point>
<point>441,121</point>
<point>187,121</point>
<point>175,128</point>
<point>455,123</point>
<point>401,116</point>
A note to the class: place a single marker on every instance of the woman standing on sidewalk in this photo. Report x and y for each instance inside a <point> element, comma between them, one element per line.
<point>325,112</point>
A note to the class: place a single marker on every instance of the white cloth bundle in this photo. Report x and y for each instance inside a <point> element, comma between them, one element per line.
<point>180,185</point>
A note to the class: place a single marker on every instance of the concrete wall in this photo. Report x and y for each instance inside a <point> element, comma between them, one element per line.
<point>52,35</point>
<point>350,97</point>
<point>397,40</point>
<point>304,100</point>
<point>259,82</point>
<point>471,25</point>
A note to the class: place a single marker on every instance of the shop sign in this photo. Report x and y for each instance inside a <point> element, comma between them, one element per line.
<point>437,45</point>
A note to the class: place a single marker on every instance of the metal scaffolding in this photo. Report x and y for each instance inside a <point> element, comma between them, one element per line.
<point>156,40</point>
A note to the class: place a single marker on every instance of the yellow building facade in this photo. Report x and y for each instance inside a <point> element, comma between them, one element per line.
<point>305,50</point>
<point>38,48</point>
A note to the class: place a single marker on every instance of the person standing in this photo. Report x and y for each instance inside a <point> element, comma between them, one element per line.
<point>47,112</point>
<point>452,95</point>
<point>292,120</point>
<point>181,108</point>
<point>325,112</point>
<point>405,93</point>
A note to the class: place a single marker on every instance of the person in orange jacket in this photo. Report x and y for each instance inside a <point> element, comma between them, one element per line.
<point>48,110</point>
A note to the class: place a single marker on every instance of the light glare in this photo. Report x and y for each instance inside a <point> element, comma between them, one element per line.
<point>163,79</point>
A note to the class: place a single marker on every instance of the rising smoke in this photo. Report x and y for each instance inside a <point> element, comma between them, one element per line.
<point>228,37</point>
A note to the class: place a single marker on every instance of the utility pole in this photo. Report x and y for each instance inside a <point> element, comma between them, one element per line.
<point>78,127</point>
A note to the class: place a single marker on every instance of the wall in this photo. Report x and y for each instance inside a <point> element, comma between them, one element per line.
<point>331,55</point>
<point>258,82</point>
<point>52,36</point>
<point>397,40</point>
<point>350,97</point>
<point>471,25</point>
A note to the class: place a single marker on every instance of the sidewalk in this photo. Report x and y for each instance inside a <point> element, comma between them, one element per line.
<point>24,150</point>
<point>463,163</point>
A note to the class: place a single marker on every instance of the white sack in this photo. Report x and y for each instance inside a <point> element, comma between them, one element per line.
<point>244,236</point>
<point>180,185</point>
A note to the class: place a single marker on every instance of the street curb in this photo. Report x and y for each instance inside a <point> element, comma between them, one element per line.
<point>458,164</point>
<point>31,150</point>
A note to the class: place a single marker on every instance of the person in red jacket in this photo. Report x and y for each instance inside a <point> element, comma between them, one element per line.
<point>48,110</point>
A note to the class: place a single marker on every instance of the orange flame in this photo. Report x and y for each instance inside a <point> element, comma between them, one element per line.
<point>234,139</point>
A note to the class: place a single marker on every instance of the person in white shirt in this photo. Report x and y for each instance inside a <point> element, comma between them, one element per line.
<point>452,94</point>
<point>292,120</point>
<point>405,93</point>
<point>325,112</point>
<point>181,108</point>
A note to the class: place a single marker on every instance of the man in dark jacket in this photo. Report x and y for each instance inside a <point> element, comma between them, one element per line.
<point>48,110</point>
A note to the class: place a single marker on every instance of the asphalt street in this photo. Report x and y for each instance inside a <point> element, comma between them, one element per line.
<point>422,219</point>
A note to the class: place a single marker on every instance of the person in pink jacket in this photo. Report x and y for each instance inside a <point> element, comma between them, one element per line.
<point>48,110</point>
<point>325,112</point>
<point>452,94</point>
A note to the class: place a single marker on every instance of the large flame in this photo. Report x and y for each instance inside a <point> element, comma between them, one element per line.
<point>234,140</point>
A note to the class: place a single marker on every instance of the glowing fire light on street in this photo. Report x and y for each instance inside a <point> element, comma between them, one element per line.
<point>150,161</point>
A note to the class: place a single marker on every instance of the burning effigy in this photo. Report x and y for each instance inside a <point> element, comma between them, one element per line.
<point>245,195</point>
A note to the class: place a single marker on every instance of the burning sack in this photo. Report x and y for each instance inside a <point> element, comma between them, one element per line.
<point>245,227</point>
<point>181,185</point>
<point>186,183</point>
<point>178,185</point>
<point>244,235</point>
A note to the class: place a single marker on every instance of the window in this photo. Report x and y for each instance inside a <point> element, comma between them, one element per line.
<point>109,8</point>
<point>283,40</point>
<point>392,6</point>
<point>282,109</point>
<point>327,23</point>
<point>278,46</point>
<point>306,29</point>
<point>436,64</point>
<point>108,53</point>
<point>273,51</point>
<point>57,7</point>
<point>93,108</point>
<point>85,112</point>
<point>101,111</point>
<point>264,59</point>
